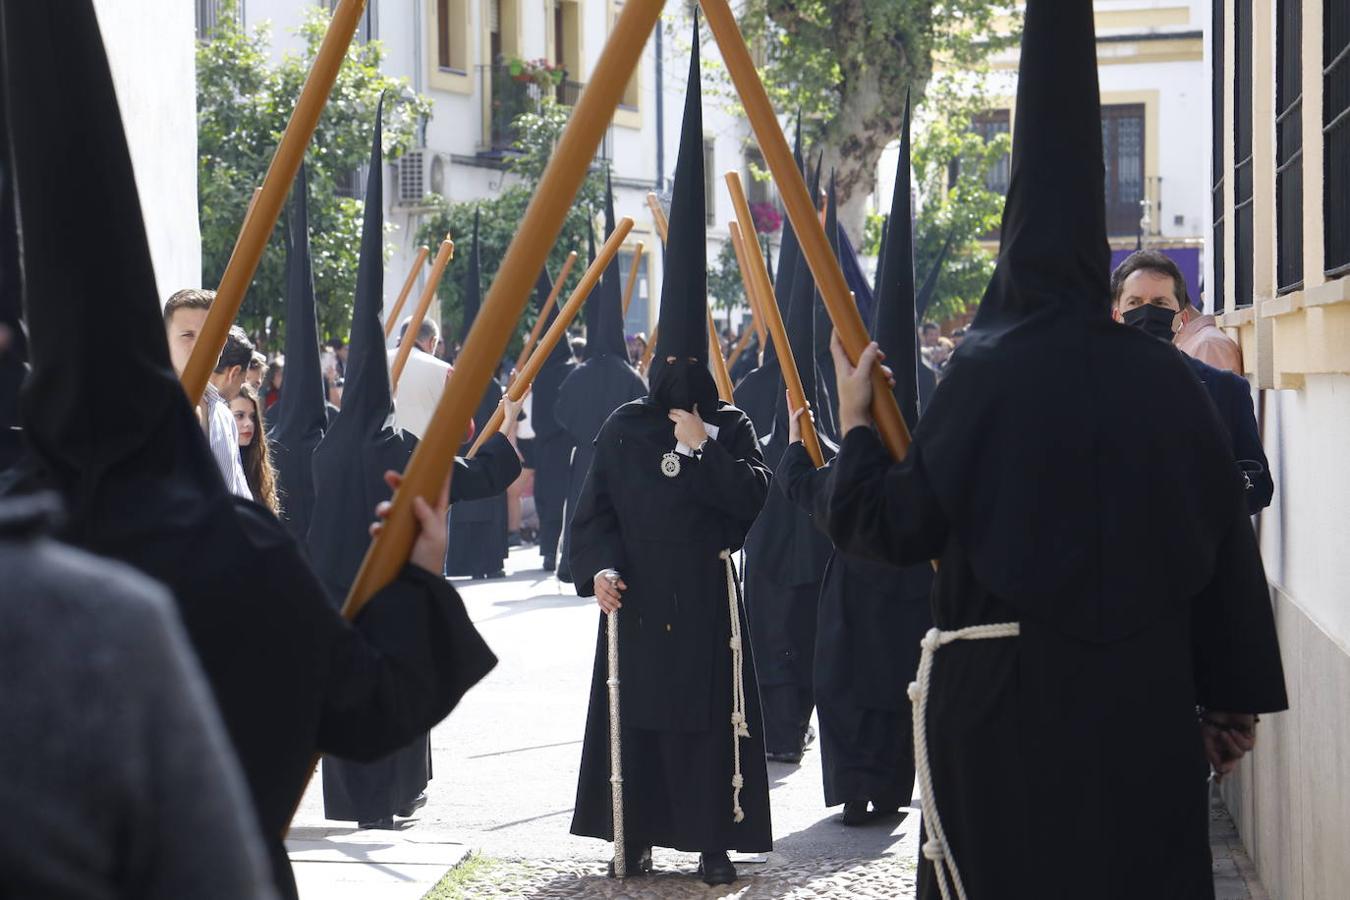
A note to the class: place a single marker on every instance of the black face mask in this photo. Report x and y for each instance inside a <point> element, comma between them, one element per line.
<point>1154,320</point>
<point>683,385</point>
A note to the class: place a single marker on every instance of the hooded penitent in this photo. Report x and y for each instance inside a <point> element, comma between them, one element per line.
<point>601,384</point>
<point>687,382</point>
<point>350,461</point>
<point>669,517</point>
<point>552,444</point>
<point>478,527</point>
<point>757,393</point>
<point>289,676</point>
<point>1035,479</point>
<point>298,419</point>
<point>894,322</point>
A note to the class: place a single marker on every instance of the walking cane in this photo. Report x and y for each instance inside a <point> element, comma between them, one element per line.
<point>615,759</point>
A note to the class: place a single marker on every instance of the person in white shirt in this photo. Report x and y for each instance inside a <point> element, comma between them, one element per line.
<point>423,380</point>
<point>184,315</point>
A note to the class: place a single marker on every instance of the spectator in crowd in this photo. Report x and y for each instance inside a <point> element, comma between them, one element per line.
<point>1199,336</point>
<point>253,376</point>
<point>271,390</point>
<point>339,349</point>
<point>254,455</point>
<point>1149,293</point>
<point>958,336</point>
<point>929,334</point>
<point>578,346</point>
<point>184,315</point>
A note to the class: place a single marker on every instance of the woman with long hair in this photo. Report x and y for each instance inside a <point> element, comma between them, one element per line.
<point>253,452</point>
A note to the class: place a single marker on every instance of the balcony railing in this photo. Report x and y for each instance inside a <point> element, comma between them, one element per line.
<point>569,92</point>
<point>508,98</point>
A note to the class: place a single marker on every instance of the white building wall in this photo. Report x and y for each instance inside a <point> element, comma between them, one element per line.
<point>151,53</point>
<point>456,128</point>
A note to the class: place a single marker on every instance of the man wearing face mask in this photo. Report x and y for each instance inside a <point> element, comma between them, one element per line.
<point>1149,293</point>
<point>676,481</point>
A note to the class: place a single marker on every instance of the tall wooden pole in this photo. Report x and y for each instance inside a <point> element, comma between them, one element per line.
<point>432,461</point>
<point>632,278</point>
<point>801,212</point>
<point>719,362</point>
<point>405,344</point>
<point>525,377</point>
<point>422,254</point>
<point>262,219</point>
<point>533,339</point>
<point>773,320</point>
<point>751,288</point>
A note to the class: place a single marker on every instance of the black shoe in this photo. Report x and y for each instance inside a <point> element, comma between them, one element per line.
<point>715,868</point>
<point>639,862</point>
<point>550,565</point>
<point>385,823</point>
<point>413,806</point>
<point>790,757</point>
<point>855,813</point>
<point>513,539</point>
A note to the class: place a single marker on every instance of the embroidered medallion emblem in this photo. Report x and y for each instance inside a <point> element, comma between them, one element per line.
<point>670,464</point>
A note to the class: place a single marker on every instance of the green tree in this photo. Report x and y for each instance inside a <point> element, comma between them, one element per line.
<point>951,164</point>
<point>846,64</point>
<point>725,285</point>
<point>243,105</point>
<point>537,133</point>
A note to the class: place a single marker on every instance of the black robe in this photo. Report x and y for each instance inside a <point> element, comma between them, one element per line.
<point>664,535</point>
<point>785,557</point>
<point>365,791</point>
<point>478,528</point>
<point>585,400</point>
<point>757,394</point>
<point>1034,479</point>
<point>871,618</point>
<point>552,456</point>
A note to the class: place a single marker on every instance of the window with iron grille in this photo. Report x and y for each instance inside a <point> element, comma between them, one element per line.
<point>1242,155</point>
<point>367,30</point>
<point>1289,146</point>
<point>1336,135</point>
<point>1218,131</point>
<point>209,13</point>
<point>1123,150</point>
<point>988,126</point>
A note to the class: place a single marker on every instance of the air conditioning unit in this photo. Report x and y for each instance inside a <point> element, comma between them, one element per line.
<point>421,174</point>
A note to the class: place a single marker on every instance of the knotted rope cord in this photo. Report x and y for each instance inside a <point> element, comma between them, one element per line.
<point>937,848</point>
<point>739,727</point>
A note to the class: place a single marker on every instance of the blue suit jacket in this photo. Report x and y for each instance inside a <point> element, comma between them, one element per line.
<point>1232,397</point>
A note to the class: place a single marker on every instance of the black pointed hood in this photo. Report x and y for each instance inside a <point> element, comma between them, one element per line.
<point>824,324</point>
<point>684,290</point>
<point>562,351</point>
<point>298,419</point>
<point>894,328</point>
<point>366,400</point>
<point>60,102</point>
<point>930,281</point>
<point>592,309</point>
<point>473,283</point>
<point>1053,256</point>
<point>800,325</point>
<point>607,303</point>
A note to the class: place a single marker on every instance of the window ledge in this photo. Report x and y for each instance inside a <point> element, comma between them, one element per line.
<point>1237,318</point>
<point>1308,332</point>
<point>1329,294</point>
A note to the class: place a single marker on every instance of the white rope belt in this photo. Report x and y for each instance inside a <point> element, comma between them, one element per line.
<point>937,848</point>
<point>739,727</point>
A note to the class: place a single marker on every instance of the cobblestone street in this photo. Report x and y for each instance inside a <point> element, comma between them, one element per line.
<point>505,766</point>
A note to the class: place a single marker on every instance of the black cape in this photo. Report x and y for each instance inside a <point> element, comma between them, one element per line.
<point>478,528</point>
<point>297,421</point>
<point>585,399</point>
<point>1032,477</point>
<point>552,455</point>
<point>289,675</point>
<point>871,618</point>
<point>665,535</point>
